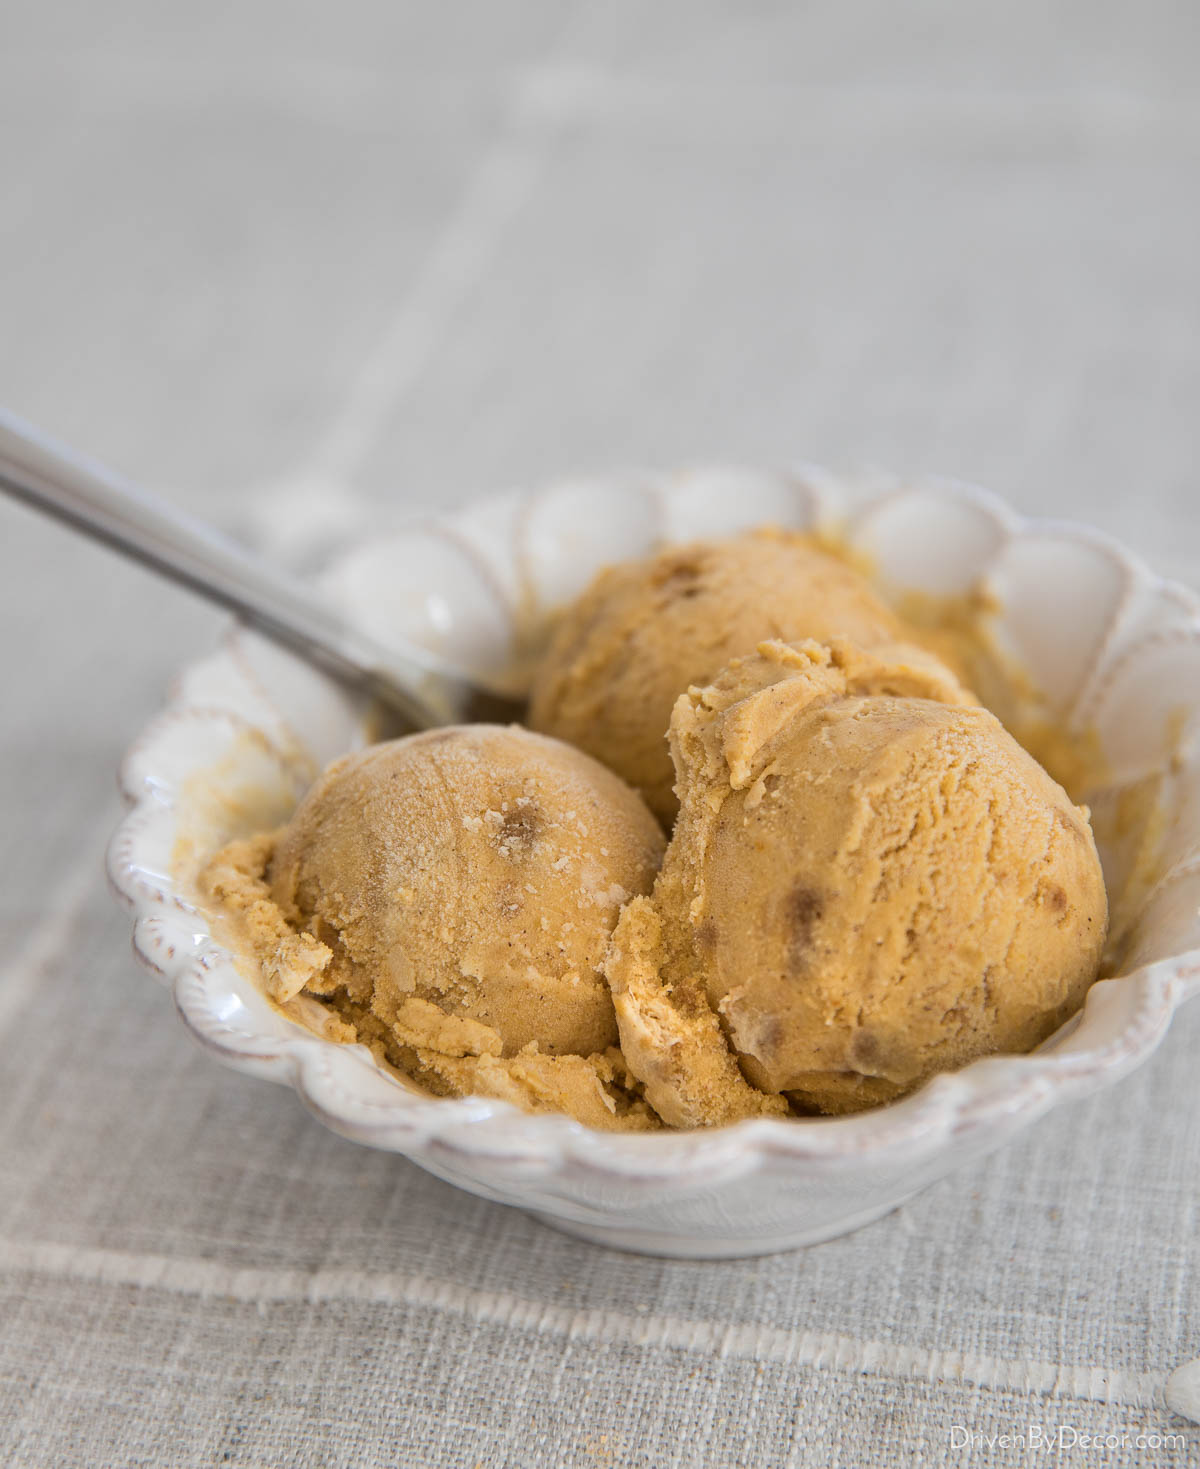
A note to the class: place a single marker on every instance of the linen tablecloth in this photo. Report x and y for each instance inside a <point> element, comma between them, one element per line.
<point>304,269</point>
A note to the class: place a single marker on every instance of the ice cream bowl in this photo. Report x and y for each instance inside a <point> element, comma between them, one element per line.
<point>1109,657</point>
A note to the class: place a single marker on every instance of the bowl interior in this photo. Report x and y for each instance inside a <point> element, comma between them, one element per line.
<point>1087,642</point>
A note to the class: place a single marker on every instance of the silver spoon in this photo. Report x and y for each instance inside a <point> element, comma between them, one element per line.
<point>414,683</point>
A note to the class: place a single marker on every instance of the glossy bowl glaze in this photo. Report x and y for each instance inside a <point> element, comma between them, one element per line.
<point>1105,647</point>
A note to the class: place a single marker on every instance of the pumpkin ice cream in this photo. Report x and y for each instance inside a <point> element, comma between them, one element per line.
<point>645,630</point>
<point>448,899</point>
<point>869,882</point>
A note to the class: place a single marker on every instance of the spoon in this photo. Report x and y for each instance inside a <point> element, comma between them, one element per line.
<point>414,683</point>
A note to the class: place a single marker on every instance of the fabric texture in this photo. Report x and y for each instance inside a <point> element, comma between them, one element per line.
<point>303,273</point>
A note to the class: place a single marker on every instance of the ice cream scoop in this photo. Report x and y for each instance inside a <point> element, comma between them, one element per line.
<point>449,896</point>
<point>645,630</point>
<point>869,882</point>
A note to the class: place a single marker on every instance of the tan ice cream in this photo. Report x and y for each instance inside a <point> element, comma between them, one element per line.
<point>869,882</point>
<point>644,631</point>
<point>449,898</point>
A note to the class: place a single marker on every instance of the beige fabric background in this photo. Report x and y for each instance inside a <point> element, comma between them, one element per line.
<point>372,259</point>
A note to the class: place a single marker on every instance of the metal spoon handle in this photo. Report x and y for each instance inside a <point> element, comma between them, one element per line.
<point>97,502</point>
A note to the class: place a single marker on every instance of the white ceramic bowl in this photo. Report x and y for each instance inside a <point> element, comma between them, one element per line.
<point>1107,646</point>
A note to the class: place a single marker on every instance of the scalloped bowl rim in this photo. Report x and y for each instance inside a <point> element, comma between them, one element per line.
<point>171,938</point>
